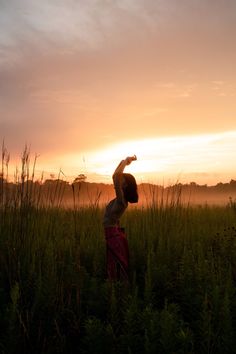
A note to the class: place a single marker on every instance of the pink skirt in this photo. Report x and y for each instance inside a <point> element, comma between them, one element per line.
<point>117,253</point>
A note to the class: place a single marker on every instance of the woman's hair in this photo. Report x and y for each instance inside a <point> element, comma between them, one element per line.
<point>130,188</point>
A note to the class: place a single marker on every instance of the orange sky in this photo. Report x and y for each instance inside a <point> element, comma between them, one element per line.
<point>77,78</point>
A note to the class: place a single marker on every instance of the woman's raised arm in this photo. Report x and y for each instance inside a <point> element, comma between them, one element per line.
<point>117,177</point>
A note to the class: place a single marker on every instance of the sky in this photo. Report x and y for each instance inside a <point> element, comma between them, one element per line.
<point>85,83</point>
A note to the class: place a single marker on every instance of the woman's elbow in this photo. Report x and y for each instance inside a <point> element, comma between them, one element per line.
<point>116,175</point>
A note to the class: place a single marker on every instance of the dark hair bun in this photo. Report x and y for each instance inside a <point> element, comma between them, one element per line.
<point>130,190</point>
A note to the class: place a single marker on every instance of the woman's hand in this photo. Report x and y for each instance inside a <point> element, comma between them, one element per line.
<point>129,159</point>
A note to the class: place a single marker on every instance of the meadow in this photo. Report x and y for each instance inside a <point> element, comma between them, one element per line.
<point>55,298</point>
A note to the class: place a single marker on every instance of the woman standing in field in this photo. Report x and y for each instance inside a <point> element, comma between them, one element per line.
<point>116,241</point>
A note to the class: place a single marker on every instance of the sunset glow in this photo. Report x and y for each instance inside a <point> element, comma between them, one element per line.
<point>175,157</point>
<point>86,83</point>
<point>203,158</point>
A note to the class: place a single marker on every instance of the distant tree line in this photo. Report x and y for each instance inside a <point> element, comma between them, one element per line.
<point>59,192</point>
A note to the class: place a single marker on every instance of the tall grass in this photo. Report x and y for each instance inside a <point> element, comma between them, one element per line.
<point>54,296</point>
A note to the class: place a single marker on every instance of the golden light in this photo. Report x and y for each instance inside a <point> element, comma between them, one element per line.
<point>170,156</point>
<point>203,158</point>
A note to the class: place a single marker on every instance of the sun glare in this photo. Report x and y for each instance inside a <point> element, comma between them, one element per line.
<point>169,155</point>
<point>206,158</point>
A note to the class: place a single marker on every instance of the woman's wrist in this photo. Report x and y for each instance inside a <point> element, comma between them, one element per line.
<point>129,159</point>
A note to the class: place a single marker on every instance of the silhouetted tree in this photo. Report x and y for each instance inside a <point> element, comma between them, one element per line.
<point>80,178</point>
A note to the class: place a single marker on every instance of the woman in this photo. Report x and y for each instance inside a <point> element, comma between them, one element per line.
<point>117,245</point>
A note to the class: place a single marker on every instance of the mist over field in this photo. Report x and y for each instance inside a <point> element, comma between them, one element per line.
<point>58,191</point>
<point>64,194</point>
<point>151,194</point>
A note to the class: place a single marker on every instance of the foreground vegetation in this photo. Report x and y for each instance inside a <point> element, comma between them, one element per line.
<point>54,296</point>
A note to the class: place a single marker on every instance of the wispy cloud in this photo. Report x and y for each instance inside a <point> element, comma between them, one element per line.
<point>72,72</point>
<point>87,24</point>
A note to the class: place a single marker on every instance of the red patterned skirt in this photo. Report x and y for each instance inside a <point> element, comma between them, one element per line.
<point>117,253</point>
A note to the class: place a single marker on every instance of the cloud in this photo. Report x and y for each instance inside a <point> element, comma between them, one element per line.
<point>66,65</point>
<point>218,82</point>
<point>91,24</point>
<point>170,32</point>
<point>70,25</point>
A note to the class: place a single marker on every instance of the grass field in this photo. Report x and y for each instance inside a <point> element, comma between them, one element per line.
<point>54,296</point>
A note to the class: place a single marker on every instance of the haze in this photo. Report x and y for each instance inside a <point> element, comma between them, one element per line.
<point>86,83</point>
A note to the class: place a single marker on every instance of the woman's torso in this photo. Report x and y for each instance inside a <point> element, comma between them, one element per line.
<point>113,212</point>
